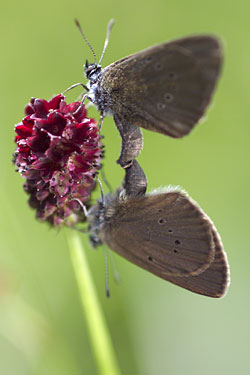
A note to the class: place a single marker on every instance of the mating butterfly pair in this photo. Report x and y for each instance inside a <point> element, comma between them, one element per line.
<point>165,88</point>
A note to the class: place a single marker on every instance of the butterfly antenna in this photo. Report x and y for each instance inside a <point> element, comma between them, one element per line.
<point>84,37</point>
<point>110,25</point>
<point>106,273</point>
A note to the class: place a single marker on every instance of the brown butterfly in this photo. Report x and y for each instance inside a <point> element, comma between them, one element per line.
<point>165,88</point>
<point>166,233</point>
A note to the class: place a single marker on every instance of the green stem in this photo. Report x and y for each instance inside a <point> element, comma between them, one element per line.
<point>98,331</point>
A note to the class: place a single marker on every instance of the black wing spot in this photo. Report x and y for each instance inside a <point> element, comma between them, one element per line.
<point>177,242</point>
<point>149,59</point>
<point>150,258</point>
<point>175,251</point>
<point>168,97</point>
<point>170,230</point>
<point>161,221</point>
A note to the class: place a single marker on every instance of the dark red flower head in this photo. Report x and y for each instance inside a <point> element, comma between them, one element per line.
<point>58,152</point>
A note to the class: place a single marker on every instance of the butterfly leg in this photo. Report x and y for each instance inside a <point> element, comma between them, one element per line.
<point>100,123</point>
<point>76,85</point>
<point>132,141</point>
<point>135,181</point>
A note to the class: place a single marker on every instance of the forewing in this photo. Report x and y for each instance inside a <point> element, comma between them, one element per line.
<point>165,88</point>
<point>166,234</point>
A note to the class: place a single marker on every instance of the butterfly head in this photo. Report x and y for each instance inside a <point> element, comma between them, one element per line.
<point>92,71</point>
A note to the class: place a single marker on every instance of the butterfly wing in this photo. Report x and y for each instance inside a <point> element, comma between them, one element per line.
<point>166,234</point>
<point>165,88</point>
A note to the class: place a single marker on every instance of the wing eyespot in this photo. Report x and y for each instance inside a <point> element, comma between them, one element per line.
<point>161,221</point>
<point>168,97</point>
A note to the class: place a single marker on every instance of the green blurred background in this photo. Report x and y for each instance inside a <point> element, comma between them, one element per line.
<point>156,328</point>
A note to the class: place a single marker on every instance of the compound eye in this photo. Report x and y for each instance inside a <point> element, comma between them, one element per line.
<point>89,70</point>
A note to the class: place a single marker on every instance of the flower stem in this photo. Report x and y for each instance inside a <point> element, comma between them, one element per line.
<point>98,331</point>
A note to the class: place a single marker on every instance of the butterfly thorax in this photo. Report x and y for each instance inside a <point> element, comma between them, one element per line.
<point>99,93</point>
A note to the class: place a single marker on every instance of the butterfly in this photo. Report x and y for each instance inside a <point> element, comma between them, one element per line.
<point>165,233</point>
<point>165,88</point>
